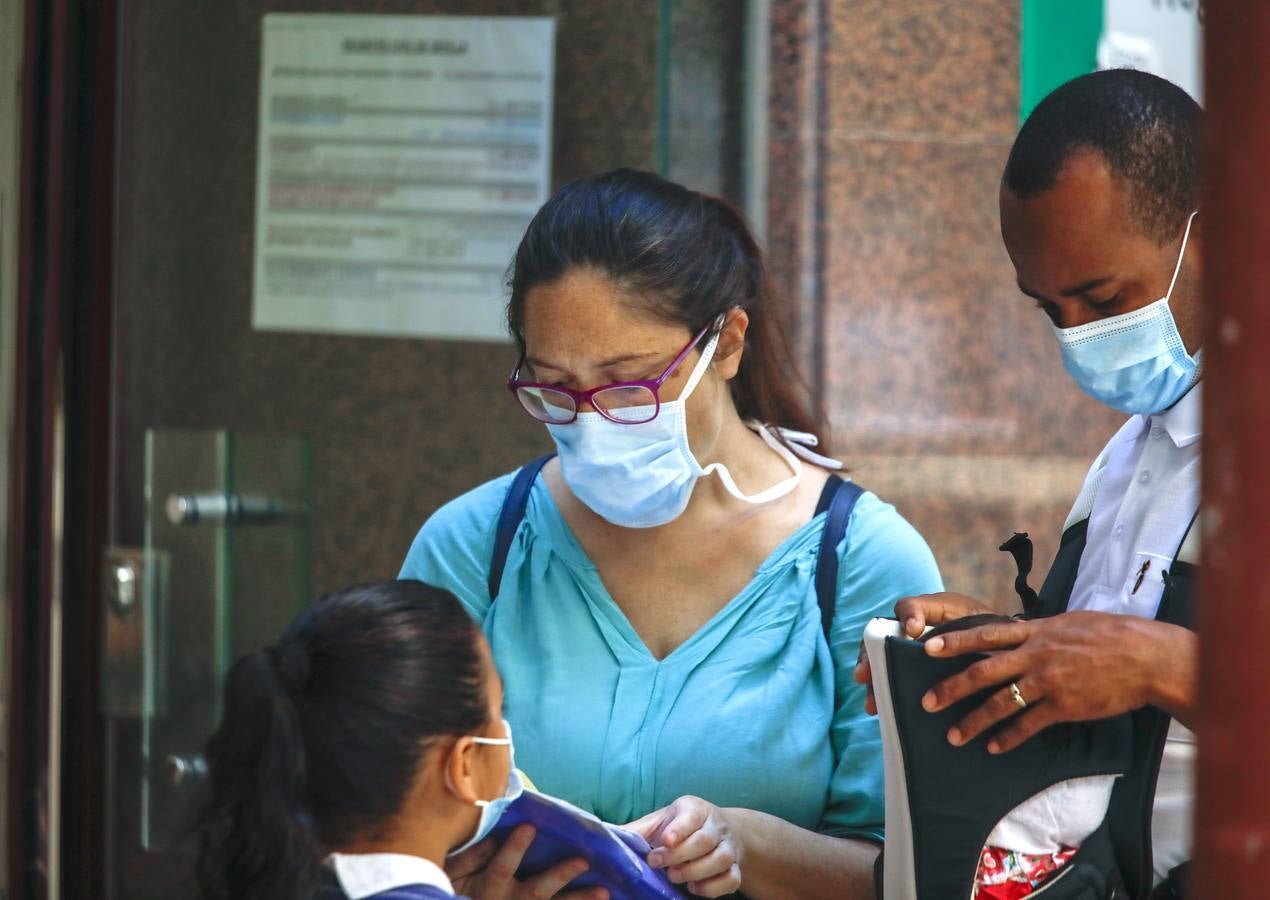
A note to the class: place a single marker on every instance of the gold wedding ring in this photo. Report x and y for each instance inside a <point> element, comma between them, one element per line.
<point>1017,696</point>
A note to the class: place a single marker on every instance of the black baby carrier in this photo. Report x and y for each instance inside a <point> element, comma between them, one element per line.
<point>943,801</point>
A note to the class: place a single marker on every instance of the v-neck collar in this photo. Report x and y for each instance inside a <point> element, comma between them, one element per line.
<point>620,634</point>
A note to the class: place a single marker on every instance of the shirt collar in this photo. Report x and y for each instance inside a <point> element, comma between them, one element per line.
<point>1184,419</point>
<point>366,874</point>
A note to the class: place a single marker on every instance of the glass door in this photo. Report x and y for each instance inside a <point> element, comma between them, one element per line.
<point>254,465</point>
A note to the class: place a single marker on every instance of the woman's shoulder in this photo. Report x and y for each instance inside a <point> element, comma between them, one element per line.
<point>454,546</point>
<point>879,525</point>
<point>472,513</point>
<point>883,558</point>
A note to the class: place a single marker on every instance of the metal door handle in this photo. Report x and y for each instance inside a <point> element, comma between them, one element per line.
<point>183,769</point>
<point>190,509</point>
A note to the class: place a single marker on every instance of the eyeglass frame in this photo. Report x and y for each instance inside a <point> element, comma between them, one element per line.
<point>514,384</point>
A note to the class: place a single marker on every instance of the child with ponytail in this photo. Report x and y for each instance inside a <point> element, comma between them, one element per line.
<point>361,750</point>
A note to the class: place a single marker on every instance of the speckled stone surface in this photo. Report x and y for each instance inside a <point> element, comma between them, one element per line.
<point>930,67</point>
<point>942,383</point>
<point>793,221</point>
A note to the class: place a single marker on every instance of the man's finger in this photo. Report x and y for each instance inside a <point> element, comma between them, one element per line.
<point>997,708</point>
<point>985,673</point>
<point>916,613</point>
<point>554,880</point>
<point>1023,727</point>
<point>911,611</point>
<point>862,673</point>
<point>508,858</point>
<point>997,636</point>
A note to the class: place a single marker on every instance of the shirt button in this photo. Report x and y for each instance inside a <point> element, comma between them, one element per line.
<point>1144,477</point>
<point>1119,531</point>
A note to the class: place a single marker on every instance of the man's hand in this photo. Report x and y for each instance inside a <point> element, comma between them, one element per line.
<point>488,872</point>
<point>916,613</point>
<point>1072,667</point>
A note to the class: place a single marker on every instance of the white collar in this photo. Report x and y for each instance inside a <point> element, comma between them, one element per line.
<point>1184,419</point>
<point>366,874</point>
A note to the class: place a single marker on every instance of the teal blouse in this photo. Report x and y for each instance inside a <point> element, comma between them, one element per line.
<point>755,710</point>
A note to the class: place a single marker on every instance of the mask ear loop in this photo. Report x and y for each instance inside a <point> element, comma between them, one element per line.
<point>1186,236</point>
<point>489,742</point>
<point>699,371</point>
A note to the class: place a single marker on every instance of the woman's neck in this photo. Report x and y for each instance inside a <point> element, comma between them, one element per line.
<point>406,841</point>
<point>752,463</point>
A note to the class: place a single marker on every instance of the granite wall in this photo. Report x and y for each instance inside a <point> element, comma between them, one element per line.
<point>891,123</point>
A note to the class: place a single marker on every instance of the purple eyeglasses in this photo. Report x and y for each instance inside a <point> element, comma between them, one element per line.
<point>623,402</point>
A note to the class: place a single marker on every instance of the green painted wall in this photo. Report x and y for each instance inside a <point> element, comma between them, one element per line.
<point>1060,41</point>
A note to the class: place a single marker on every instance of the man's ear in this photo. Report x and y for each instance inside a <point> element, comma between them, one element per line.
<point>459,775</point>
<point>731,346</point>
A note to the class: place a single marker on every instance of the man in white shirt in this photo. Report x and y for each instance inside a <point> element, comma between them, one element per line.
<point>1099,215</point>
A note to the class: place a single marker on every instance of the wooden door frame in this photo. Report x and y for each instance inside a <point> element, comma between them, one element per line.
<point>61,449</point>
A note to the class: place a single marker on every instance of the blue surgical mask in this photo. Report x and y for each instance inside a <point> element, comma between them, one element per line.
<point>642,476</point>
<point>1135,362</point>
<point>492,810</point>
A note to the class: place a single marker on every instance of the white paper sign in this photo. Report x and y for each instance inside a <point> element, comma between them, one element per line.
<point>1163,37</point>
<point>400,159</point>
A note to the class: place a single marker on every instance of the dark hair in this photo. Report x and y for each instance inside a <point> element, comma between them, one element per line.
<point>691,257</point>
<point>965,623</point>
<point>1147,129</point>
<point>323,733</point>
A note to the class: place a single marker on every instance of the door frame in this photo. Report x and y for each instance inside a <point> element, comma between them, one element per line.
<point>60,462</point>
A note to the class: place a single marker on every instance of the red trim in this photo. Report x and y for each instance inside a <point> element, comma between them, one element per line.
<point>1232,835</point>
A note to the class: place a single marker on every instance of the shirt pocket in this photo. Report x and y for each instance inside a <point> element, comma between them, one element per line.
<point>1144,584</point>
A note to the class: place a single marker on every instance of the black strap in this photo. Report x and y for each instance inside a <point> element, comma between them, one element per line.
<point>1177,886</point>
<point>836,500</point>
<point>509,519</point>
<point>1020,547</point>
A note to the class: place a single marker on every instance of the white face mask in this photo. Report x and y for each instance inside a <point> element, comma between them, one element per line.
<point>642,476</point>
<point>492,810</point>
<point>1135,362</point>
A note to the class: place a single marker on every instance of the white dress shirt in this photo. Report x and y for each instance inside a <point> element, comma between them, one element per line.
<point>366,874</point>
<point>1142,495</point>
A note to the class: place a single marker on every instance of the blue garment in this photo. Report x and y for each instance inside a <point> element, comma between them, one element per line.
<point>755,710</point>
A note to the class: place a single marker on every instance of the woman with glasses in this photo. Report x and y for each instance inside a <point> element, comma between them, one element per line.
<point>657,617</point>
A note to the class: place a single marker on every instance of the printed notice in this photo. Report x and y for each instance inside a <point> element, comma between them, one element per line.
<point>400,159</point>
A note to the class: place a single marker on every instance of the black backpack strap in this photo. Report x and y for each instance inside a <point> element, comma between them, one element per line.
<point>509,519</point>
<point>1020,547</point>
<point>836,500</point>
